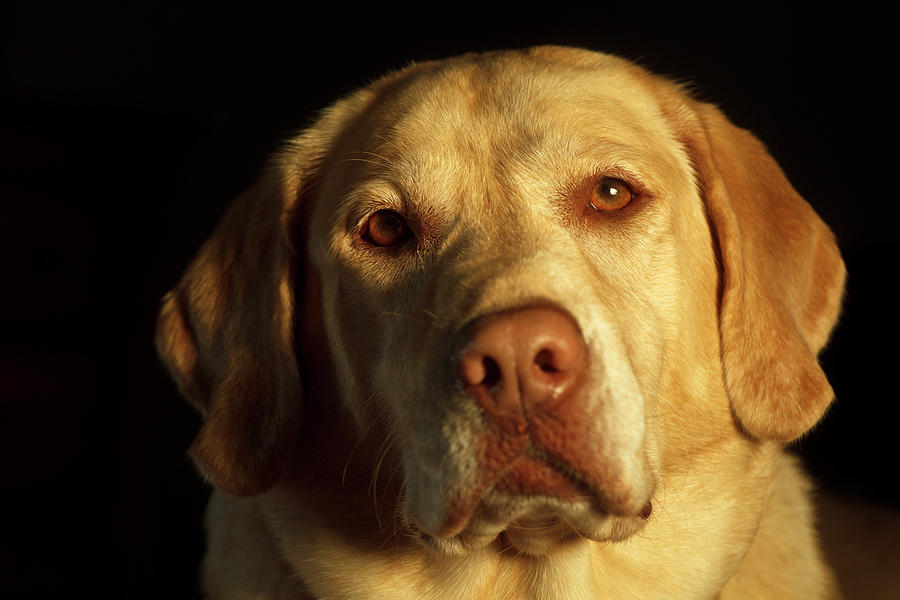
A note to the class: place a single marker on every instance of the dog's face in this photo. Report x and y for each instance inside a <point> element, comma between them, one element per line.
<point>534,280</point>
<point>495,193</point>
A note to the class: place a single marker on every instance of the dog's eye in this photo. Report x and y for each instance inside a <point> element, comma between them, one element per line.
<point>386,228</point>
<point>610,194</point>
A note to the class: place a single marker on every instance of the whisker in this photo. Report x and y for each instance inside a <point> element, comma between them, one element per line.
<point>386,447</point>
<point>347,462</point>
<point>400,531</point>
<point>306,186</point>
<point>389,313</point>
<point>380,161</point>
<point>365,160</point>
<point>376,155</point>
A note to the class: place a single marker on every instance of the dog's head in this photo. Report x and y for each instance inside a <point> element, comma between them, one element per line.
<point>546,277</point>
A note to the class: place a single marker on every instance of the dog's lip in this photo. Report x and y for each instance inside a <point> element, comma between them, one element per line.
<point>499,512</point>
<point>495,506</point>
<point>539,536</point>
<point>536,534</point>
<point>534,522</point>
<point>556,481</point>
<point>533,525</point>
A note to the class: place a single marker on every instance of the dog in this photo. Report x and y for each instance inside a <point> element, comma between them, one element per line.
<point>525,324</point>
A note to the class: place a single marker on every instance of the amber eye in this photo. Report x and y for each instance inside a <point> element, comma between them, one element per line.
<point>386,228</point>
<point>610,194</point>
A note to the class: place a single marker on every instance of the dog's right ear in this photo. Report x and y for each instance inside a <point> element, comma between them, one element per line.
<point>226,331</point>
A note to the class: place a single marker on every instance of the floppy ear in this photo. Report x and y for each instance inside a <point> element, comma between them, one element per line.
<point>226,332</point>
<point>782,280</point>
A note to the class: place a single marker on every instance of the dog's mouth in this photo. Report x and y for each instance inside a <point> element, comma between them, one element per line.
<point>541,526</point>
<point>533,476</point>
<point>538,536</point>
<point>536,508</point>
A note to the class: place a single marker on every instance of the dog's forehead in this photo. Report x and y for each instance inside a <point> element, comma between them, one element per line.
<point>496,118</point>
<point>501,106</point>
<point>507,86</point>
<point>500,140</point>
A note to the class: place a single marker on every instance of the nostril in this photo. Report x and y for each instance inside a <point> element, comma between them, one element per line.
<point>492,375</point>
<point>480,370</point>
<point>546,361</point>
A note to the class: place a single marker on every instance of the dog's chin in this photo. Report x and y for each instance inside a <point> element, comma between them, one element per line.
<point>537,526</point>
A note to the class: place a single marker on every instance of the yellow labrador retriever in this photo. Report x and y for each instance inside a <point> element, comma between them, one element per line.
<point>529,324</point>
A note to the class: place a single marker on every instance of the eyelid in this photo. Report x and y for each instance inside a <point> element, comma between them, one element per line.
<point>587,182</point>
<point>366,200</point>
<point>625,175</point>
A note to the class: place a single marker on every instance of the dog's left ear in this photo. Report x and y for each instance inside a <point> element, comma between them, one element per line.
<point>782,278</point>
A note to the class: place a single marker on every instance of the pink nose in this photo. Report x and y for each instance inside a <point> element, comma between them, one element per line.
<point>518,363</point>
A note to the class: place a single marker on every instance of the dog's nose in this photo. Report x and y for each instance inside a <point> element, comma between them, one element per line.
<point>517,363</point>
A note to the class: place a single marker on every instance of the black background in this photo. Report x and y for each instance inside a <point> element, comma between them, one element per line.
<point>125,129</point>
